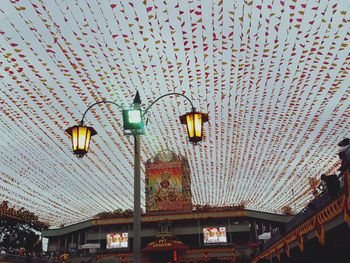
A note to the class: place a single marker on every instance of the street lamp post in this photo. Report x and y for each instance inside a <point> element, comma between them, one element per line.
<point>133,125</point>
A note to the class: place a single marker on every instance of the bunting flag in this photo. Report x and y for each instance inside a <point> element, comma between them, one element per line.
<point>272,75</point>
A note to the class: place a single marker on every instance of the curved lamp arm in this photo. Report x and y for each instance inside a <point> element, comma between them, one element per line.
<point>99,102</point>
<point>168,94</point>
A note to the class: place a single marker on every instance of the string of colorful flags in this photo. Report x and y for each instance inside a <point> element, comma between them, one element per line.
<point>272,75</point>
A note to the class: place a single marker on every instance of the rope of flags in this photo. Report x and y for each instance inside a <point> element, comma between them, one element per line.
<point>273,76</point>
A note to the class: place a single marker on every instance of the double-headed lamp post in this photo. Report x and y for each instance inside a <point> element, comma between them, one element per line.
<point>133,125</point>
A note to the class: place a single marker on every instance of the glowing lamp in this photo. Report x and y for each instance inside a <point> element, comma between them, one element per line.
<point>80,136</point>
<point>133,119</point>
<point>194,123</point>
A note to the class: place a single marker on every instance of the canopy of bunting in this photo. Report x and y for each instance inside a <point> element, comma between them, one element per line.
<point>272,75</point>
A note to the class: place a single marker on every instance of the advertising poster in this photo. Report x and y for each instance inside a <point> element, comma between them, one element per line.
<point>214,235</point>
<point>117,240</point>
<point>164,184</point>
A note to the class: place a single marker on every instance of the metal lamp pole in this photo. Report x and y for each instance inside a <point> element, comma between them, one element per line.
<point>137,199</point>
<point>81,150</point>
<point>137,178</point>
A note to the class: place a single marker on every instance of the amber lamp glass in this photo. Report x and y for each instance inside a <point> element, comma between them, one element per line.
<point>80,137</point>
<point>194,123</point>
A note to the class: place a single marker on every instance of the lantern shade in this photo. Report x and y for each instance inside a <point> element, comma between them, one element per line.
<point>194,123</point>
<point>80,137</point>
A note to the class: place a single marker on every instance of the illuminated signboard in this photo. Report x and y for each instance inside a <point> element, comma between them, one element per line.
<point>117,240</point>
<point>214,235</point>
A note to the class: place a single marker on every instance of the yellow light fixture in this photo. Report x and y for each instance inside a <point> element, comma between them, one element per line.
<point>80,137</point>
<point>194,123</point>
